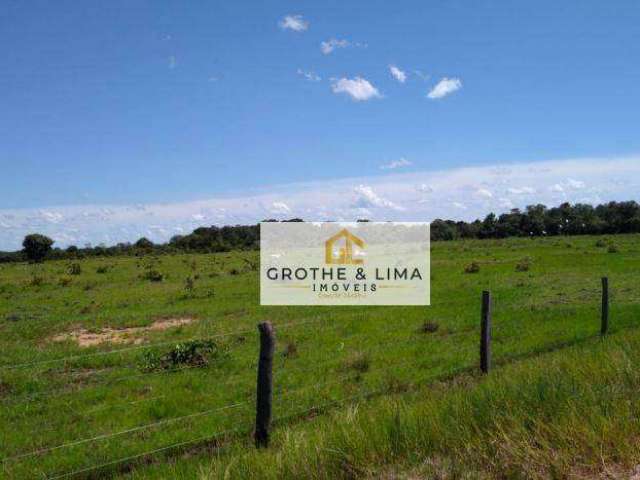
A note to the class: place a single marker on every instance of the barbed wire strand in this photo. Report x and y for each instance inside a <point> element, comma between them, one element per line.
<point>122,432</point>
<point>147,453</point>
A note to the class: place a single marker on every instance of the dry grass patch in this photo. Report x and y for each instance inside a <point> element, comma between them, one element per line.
<point>135,335</point>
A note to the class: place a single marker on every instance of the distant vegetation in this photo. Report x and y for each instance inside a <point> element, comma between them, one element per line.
<point>534,221</point>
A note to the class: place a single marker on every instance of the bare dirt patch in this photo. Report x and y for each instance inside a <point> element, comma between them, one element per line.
<point>135,335</point>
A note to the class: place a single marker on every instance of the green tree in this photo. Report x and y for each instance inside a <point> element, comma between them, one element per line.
<point>36,247</point>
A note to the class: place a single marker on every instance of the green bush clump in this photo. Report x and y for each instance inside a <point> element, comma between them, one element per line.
<point>194,353</point>
<point>74,269</point>
<point>473,267</point>
<point>523,265</point>
<point>152,275</point>
<point>36,281</point>
<point>429,327</point>
<point>613,249</point>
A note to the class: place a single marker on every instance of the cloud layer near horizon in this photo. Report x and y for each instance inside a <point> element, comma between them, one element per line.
<point>462,193</point>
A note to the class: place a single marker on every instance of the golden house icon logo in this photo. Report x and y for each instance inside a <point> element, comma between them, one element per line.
<point>343,254</point>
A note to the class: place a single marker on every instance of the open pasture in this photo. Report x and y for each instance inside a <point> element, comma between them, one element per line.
<point>118,366</point>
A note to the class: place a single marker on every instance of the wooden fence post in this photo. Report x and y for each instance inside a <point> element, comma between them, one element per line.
<point>604,320</point>
<point>485,333</point>
<point>265,384</point>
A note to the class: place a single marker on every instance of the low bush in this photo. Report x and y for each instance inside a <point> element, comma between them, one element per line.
<point>523,265</point>
<point>290,350</point>
<point>429,327</point>
<point>74,269</point>
<point>359,362</point>
<point>473,267</point>
<point>152,275</point>
<point>195,353</point>
<point>35,281</point>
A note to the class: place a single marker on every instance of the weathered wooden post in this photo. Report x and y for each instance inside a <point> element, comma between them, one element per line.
<point>485,333</point>
<point>265,384</point>
<point>604,319</point>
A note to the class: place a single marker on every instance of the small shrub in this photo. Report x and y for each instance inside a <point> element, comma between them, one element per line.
<point>189,285</point>
<point>429,327</point>
<point>359,362</point>
<point>64,281</point>
<point>35,281</point>
<point>102,269</point>
<point>74,269</point>
<point>12,317</point>
<point>152,275</point>
<point>523,265</point>
<point>473,267</point>
<point>89,286</point>
<point>234,271</point>
<point>601,243</point>
<point>196,353</point>
<point>613,249</point>
<point>290,350</point>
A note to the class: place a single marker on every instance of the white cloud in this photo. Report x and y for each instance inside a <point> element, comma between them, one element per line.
<point>367,198</point>
<point>294,22</point>
<point>445,87</point>
<point>556,188</point>
<point>397,73</point>
<point>280,207</point>
<point>575,184</point>
<point>521,191</point>
<point>401,196</point>
<point>309,75</point>
<point>330,45</point>
<point>484,193</point>
<point>403,162</point>
<point>357,88</point>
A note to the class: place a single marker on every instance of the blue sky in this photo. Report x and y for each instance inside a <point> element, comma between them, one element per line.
<point>129,104</point>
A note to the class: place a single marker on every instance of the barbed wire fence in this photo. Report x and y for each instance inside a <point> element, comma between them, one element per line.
<point>295,389</point>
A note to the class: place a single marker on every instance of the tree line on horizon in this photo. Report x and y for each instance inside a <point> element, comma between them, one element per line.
<point>534,221</point>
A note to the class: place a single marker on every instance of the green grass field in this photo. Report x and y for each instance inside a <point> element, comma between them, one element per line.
<point>359,392</point>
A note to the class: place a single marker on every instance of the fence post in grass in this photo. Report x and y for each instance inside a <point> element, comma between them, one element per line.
<point>485,333</point>
<point>604,320</point>
<point>265,384</point>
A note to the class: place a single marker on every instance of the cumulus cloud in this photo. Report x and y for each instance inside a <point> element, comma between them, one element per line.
<point>294,22</point>
<point>484,193</point>
<point>444,87</point>
<point>397,73</point>
<point>280,208</point>
<point>575,184</point>
<point>358,88</point>
<point>330,45</point>
<point>521,190</point>
<point>367,198</point>
<point>397,195</point>
<point>309,75</point>
<point>392,165</point>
